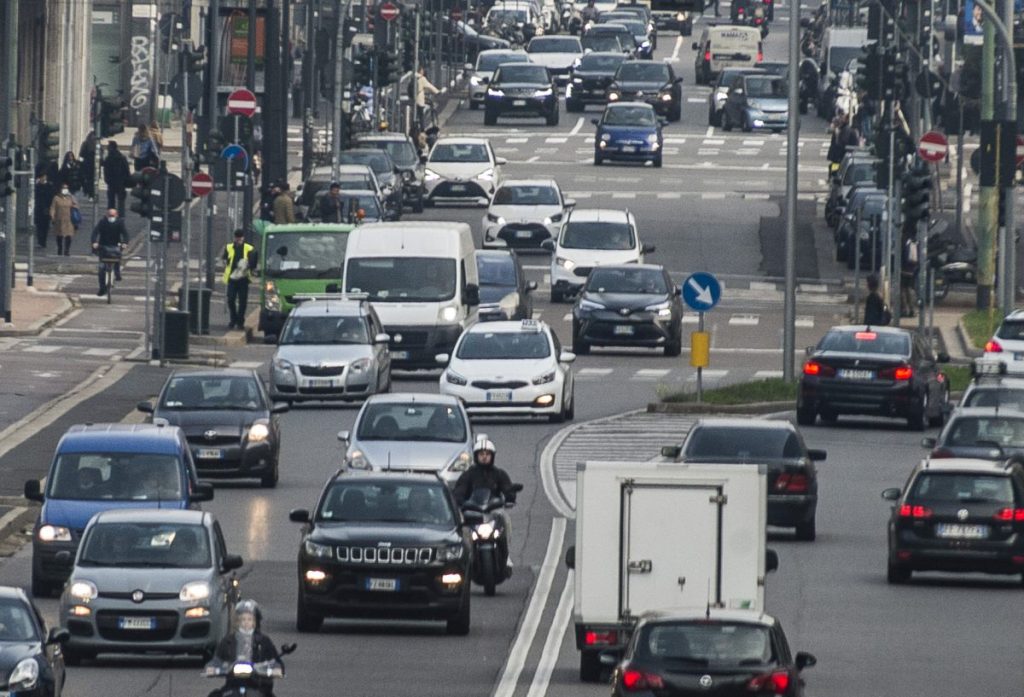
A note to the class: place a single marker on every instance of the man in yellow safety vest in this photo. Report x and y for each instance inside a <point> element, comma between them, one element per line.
<point>239,258</point>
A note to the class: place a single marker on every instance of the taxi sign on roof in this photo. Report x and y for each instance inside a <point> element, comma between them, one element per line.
<point>530,325</point>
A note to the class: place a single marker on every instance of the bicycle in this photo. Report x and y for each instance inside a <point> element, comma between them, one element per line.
<point>110,257</point>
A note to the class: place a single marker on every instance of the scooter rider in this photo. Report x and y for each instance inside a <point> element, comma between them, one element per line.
<point>485,475</point>
<point>589,13</point>
<point>248,644</point>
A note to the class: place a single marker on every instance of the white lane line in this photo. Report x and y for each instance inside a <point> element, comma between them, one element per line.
<point>712,195</point>
<point>101,351</point>
<point>567,317</point>
<point>517,140</point>
<point>710,132</point>
<point>690,319</point>
<point>555,139</point>
<point>650,374</point>
<point>549,655</point>
<point>696,100</point>
<point>593,372</point>
<point>536,314</point>
<point>669,195</point>
<point>747,152</point>
<point>714,141</point>
<point>41,349</point>
<point>767,374</point>
<point>246,365</point>
<point>753,141</point>
<point>624,194</point>
<point>678,47</point>
<point>533,159</point>
<point>534,611</point>
<point>589,140</point>
<point>705,152</point>
<point>806,321</point>
<point>675,141</point>
<point>708,374</point>
<point>759,285</point>
<point>744,320</point>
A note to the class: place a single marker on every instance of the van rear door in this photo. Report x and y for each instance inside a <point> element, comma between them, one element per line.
<point>734,48</point>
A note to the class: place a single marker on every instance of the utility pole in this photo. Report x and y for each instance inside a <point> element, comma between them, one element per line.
<point>250,83</point>
<point>988,195</point>
<point>792,143</point>
<point>212,112</point>
<point>1009,265</point>
<point>339,83</point>
<point>10,79</point>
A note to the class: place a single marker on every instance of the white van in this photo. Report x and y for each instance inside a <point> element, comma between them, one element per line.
<point>726,46</point>
<point>422,280</point>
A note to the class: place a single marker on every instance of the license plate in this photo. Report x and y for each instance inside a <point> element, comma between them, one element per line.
<point>138,623</point>
<point>524,234</point>
<point>623,330</point>
<point>458,187</point>
<point>852,374</point>
<point>321,383</point>
<point>382,584</point>
<point>1018,356</point>
<point>961,531</point>
<point>209,454</point>
<point>400,355</point>
<point>499,396</point>
<point>518,102</point>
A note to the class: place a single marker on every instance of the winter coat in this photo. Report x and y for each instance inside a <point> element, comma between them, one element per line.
<point>284,209</point>
<point>71,175</point>
<point>45,192</point>
<point>116,172</point>
<point>60,214</point>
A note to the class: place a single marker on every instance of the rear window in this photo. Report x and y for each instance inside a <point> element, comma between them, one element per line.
<point>554,45</point>
<point>865,342</point>
<point>995,397</point>
<point>1011,330</point>
<point>743,444</point>
<point>504,346</point>
<point>860,172</point>
<point>986,431</point>
<point>522,72</point>
<point>705,644</point>
<point>957,487</point>
<point>411,422</point>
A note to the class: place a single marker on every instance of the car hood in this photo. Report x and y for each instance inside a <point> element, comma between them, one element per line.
<point>399,314</point>
<point>13,652</point>
<point>125,579</point>
<point>459,170</point>
<point>75,514</point>
<point>593,74</point>
<point>498,371</point>
<point>768,103</point>
<point>315,354</point>
<point>631,301</point>
<point>627,132</point>
<point>514,213</point>
<point>597,257</point>
<point>641,85</point>
<point>372,533</point>
<point>195,423</point>
<point>494,294</point>
<point>409,454</point>
<point>520,86</point>
<point>554,60</point>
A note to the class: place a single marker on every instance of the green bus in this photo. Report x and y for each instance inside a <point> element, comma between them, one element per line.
<point>294,259</point>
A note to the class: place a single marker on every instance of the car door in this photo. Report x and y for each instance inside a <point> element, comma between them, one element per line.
<point>566,368</point>
<point>380,351</point>
<point>927,364</point>
<point>227,590</point>
<point>54,654</point>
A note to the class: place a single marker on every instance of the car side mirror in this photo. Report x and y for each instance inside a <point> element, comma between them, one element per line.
<point>145,407</point>
<point>57,635</point>
<point>231,562</point>
<point>343,436</point>
<point>648,249</point>
<point>942,357</point>
<point>471,296</point>
<point>805,660</point>
<point>671,451</point>
<point>566,357</point>
<point>442,358</point>
<point>595,121</point>
<point>678,80</point>
<point>202,492</point>
<point>891,494</point>
<point>569,203</point>
<point>928,442</point>
<point>816,455</point>
<point>549,245</point>
<point>570,557</point>
<point>299,515</point>
<point>33,491</point>
<point>279,407</point>
<point>500,161</point>
<point>771,561</point>
<point>382,338</point>
<point>268,339</point>
<point>531,286</point>
<point>696,46</point>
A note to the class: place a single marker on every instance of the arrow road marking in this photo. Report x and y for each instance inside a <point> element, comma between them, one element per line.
<point>703,294</point>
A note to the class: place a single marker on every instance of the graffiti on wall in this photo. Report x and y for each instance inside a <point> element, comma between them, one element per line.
<point>141,79</point>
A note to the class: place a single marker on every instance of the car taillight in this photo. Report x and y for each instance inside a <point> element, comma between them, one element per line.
<point>1008,514</point>
<point>707,56</point>
<point>601,638</point>
<point>760,56</point>
<point>899,373</point>
<point>820,369</point>
<point>791,483</point>
<point>633,679</point>
<point>992,346</point>
<point>908,511</point>
<point>770,682</point>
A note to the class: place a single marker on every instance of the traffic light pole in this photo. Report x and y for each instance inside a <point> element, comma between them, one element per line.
<point>212,112</point>
<point>339,84</point>
<point>9,219</point>
<point>32,208</point>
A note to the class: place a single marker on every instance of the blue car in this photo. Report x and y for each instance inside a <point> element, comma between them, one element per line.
<point>628,131</point>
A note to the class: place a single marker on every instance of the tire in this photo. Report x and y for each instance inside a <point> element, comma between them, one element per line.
<point>806,531</point>
<point>917,419</point>
<point>674,348</point>
<point>557,296</point>
<point>40,588</point>
<point>558,417</point>
<point>74,657</point>
<point>579,346</point>
<point>896,574</point>
<point>657,160</point>
<point>746,127</point>
<point>473,106</point>
<point>490,118</point>
<point>829,417</point>
<point>306,621</point>
<point>552,118</point>
<point>488,575</point>
<point>570,411</point>
<point>590,666</point>
<point>714,118</point>
<point>269,481</point>
<point>677,113</point>
<point>806,417</point>
<point>459,624</point>
<point>418,206</point>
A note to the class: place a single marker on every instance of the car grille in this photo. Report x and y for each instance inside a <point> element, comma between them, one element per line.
<point>537,234</point>
<point>386,555</point>
<point>583,271</point>
<point>472,190</point>
<point>521,91</point>
<point>410,340</point>
<point>321,370</point>
<point>166,625</point>
<point>495,385</point>
<point>201,441</point>
<point>128,596</point>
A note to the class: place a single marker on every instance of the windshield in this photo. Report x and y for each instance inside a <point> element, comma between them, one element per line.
<point>602,63</point>
<point>984,431</point>
<point>488,62</point>
<point>591,235</point>
<point>705,644</point>
<point>402,279</point>
<point>401,151</point>
<point>858,173</point>
<point>355,182</point>
<point>325,329</point>
<point>460,152</point>
<point>765,87</point>
<point>522,72</point>
<point>411,421</point>
<point>743,444</point>
<point>839,56</point>
<point>629,281</point>
<point>629,116</point>
<point>377,160</point>
<point>15,622</point>
<point>513,16</point>
<point>214,393</point>
<point>961,487</point>
<point>365,502</point>
<point>642,72</point>
<point>865,342</point>
<point>554,44</point>
<point>305,254</point>
<point>496,346</point>
<point>167,545</point>
<point>603,43</point>
<point>116,477</point>
<point>496,271</point>
<point>526,196</point>
<point>636,27</point>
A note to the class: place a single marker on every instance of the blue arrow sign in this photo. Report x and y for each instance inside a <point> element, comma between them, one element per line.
<point>702,291</point>
<point>235,152</point>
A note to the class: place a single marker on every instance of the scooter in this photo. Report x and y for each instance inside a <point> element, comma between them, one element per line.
<point>957,265</point>
<point>490,544</point>
<point>244,677</point>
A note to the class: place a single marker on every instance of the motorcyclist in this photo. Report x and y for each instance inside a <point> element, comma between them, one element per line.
<point>485,475</point>
<point>247,644</point>
<point>589,13</point>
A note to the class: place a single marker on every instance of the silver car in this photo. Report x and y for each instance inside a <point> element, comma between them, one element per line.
<point>422,432</point>
<point>149,580</point>
<point>331,349</point>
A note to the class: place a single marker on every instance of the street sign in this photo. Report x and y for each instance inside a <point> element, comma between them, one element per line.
<point>1020,150</point>
<point>242,102</point>
<point>388,11</point>
<point>236,152</point>
<point>702,291</point>
<point>202,184</point>
<point>933,147</point>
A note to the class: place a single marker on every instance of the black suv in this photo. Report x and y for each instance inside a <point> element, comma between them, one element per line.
<point>652,82</point>
<point>407,160</point>
<point>521,89</point>
<point>957,514</point>
<point>384,545</point>
<point>589,79</point>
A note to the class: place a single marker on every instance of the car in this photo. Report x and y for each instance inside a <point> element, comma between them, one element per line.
<point>331,349</point>
<point>644,45</point>
<point>480,73</point>
<point>149,580</point>
<point>994,390</point>
<point>1006,346</point>
<point>99,467</point>
<point>857,167</point>
<point>777,68</point>
<point>590,238</point>
<point>644,14</point>
<point>384,545</point>
<point>957,514</point>
<point>720,90</point>
<point>620,32</point>
<point>980,432</point>
<point>524,213</point>
<point>464,43</point>
<point>709,653</point>
<point>724,46</point>
<point>592,42</point>
<point>511,369</point>
<point>856,227</point>
<point>756,103</point>
<point>356,207</point>
<point>590,77</point>
<point>388,176</point>
<point>556,53</point>
<point>880,371</point>
<point>628,305</point>
<point>521,89</point>
<point>524,16</point>
<point>649,82</point>
<point>504,290</point>
<point>419,432</point>
<point>407,160</point>
<point>792,476</point>
<point>629,131</point>
<point>31,656</point>
<point>462,169</point>
<point>349,178</point>
<point>228,418</point>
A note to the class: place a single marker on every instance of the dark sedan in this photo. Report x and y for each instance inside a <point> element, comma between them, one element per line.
<point>629,305</point>
<point>504,290</point>
<point>384,167</point>
<point>407,160</point>
<point>629,131</point>
<point>228,419</point>
<point>31,661</point>
<point>624,35</point>
<point>990,433</point>
<point>590,77</point>
<point>653,83</point>
<point>356,207</point>
<point>878,371</point>
<point>521,89</point>
<point>605,43</point>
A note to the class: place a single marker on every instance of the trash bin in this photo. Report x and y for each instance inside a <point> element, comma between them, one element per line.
<point>193,308</point>
<point>175,334</point>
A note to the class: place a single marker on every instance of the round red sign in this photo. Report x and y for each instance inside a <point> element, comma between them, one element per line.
<point>242,102</point>
<point>388,11</point>
<point>202,184</point>
<point>933,147</point>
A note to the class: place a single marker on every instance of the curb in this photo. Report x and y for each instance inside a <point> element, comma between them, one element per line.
<point>13,524</point>
<point>43,323</point>
<point>705,408</point>
<point>965,343</point>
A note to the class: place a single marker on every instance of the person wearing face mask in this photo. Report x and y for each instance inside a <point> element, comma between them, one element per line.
<point>62,219</point>
<point>109,238</point>
<point>247,644</point>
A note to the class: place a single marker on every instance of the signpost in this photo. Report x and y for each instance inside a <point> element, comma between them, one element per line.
<point>202,184</point>
<point>933,147</point>
<point>701,291</point>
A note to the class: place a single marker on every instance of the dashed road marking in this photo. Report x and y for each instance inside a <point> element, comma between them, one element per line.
<point>41,349</point>
<point>767,374</point>
<point>593,372</point>
<point>517,140</point>
<point>555,139</point>
<point>578,126</point>
<point>650,374</point>
<point>101,351</point>
<point>708,374</point>
<point>806,322</point>
<point>567,317</point>
<point>714,141</point>
<point>247,365</point>
<point>745,320</point>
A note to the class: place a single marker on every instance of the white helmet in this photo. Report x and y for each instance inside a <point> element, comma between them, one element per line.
<point>484,443</point>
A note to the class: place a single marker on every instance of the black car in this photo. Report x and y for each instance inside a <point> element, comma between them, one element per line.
<point>384,545</point>
<point>879,371</point>
<point>988,433</point>
<point>642,35</point>
<point>31,661</point>
<point>643,13</point>
<point>605,43</point>
<point>712,653</point>
<point>504,290</point>
<point>861,224</point>
<point>628,305</point>
<point>521,89</point>
<point>590,77</point>
<point>228,419</point>
<point>957,514</point>
<point>792,476</point>
<point>624,35</point>
<point>406,158</point>
<point>650,82</point>
<point>388,175</point>
<point>356,206</point>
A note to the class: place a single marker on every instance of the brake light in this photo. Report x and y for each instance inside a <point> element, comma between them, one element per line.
<point>633,679</point>
<point>815,368</point>
<point>707,56</point>
<point>992,346</point>
<point>770,682</point>
<point>1008,514</point>
<point>865,336</point>
<point>760,55</point>
<point>601,638</point>
<point>908,511</point>
<point>791,483</point>
<point>900,372</point>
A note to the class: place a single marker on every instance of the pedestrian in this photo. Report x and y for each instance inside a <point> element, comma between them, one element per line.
<point>876,312</point>
<point>909,264</point>
<point>145,152</point>
<point>156,134</point>
<point>239,259</point>
<point>117,175</point>
<point>87,156</point>
<point>63,213</point>
<point>45,191</point>
<point>284,206</point>
<point>332,207</point>
<point>109,238</point>
<point>423,86</point>
<point>70,173</point>
<point>270,192</point>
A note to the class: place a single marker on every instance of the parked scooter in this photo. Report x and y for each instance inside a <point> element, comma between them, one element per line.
<point>245,678</point>
<point>490,539</point>
<point>953,266</point>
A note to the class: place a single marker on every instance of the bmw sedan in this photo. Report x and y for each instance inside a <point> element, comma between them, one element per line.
<point>31,660</point>
<point>521,89</point>
<point>628,131</point>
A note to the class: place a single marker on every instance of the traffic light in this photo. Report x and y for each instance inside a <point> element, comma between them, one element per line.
<point>362,69</point>
<point>917,187</point>
<point>47,143</point>
<point>6,176</point>
<point>141,185</point>
<point>388,68</point>
<point>193,60</point>
<point>212,147</point>
<point>408,45</point>
<point>869,73</point>
<point>351,28</point>
<point>111,117</point>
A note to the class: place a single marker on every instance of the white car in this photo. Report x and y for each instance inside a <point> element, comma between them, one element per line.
<point>524,213</point>
<point>486,63</point>
<point>592,238</point>
<point>511,368</point>
<point>462,170</point>
<point>556,53</point>
<point>1007,346</point>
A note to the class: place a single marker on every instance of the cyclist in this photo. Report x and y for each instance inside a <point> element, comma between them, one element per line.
<point>423,86</point>
<point>109,238</point>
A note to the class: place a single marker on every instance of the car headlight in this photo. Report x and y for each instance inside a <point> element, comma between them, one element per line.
<point>194,592</point>
<point>460,463</point>
<point>54,533</point>
<point>556,218</point>
<point>665,96</point>
<point>474,80</point>
<point>283,366</point>
<point>258,432</point>
<point>613,96</point>
<point>486,175</point>
<point>24,676</point>
<point>543,93</point>
<point>447,314</point>
<point>357,460</point>
<point>652,138</point>
<point>318,551</point>
<point>451,552</point>
<point>590,305</point>
<point>430,175</point>
<point>661,309</point>
<point>454,378</point>
<point>567,264</point>
<point>83,591</point>
<point>492,92</point>
<point>577,81</point>
<point>544,378</point>
<point>605,137</point>
<point>680,16</point>
<point>359,366</point>
<point>271,299</point>
<point>483,531</point>
<point>491,218</point>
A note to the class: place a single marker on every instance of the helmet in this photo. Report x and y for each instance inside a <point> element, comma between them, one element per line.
<point>250,607</point>
<point>483,444</point>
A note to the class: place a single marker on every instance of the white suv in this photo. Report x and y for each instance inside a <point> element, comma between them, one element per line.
<point>524,213</point>
<point>1007,346</point>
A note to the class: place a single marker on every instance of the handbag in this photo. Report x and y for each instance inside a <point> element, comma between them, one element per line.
<point>240,271</point>
<point>76,216</point>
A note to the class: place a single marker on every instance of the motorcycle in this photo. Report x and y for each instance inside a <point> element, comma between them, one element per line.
<point>244,677</point>
<point>953,265</point>
<point>490,544</point>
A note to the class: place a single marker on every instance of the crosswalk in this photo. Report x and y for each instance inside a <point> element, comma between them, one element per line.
<point>71,344</point>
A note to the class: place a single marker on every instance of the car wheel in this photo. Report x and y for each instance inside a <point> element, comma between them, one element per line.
<point>657,160</point>
<point>917,418</point>
<point>579,346</point>
<point>74,657</point>
<point>570,411</point>
<point>806,417</point>
<point>306,621</point>
<point>573,106</point>
<point>558,417</point>
<point>490,118</point>
<point>473,106</point>
<point>552,118</point>
<point>746,127</point>
<point>598,160</point>
<point>557,296</point>
<point>459,624</point>
<point>677,112</point>
<point>590,666</point>
<point>269,481</point>
<point>806,531</point>
<point>713,118</point>
<point>940,417</point>
<point>829,417</point>
<point>896,574</point>
<point>674,348</point>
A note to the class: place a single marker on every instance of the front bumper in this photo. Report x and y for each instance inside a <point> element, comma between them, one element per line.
<point>627,152</point>
<point>460,190</point>
<point>520,235</point>
<point>240,459</point>
<point>768,121</point>
<point>587,91</point>
<point>607,328</point>
<point>45,565</point>
<point>522,105</point>
<point>851,397</point>
<point>415,347</point>
<point>525,400</point>
<point>170,631</point>
<point>341,383</point>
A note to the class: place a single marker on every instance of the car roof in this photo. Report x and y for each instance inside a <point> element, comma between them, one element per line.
<point>496,253</point>
<point>993,382</point>
<point>599,215</point>
<point>213,373</point>
<point>736,422</point>
<point>153,515</point>
<point>620,105</point>
<point>329,306</point>
<point>120,437</point>
<point>872,328</point>
<point>535,326</point>
<point>992,412</point>
<point>1015,316</point>
<point>629,267</point>
<point>13,593</point>
<point>709,614</point>
<point>605,54</point>
<point>460,140</point>
<point>327,173</point>
<point>964,464</point>
<point>502,51</point>
<point>413,397</point>
<point>396,475</point>
<point>529,182</point>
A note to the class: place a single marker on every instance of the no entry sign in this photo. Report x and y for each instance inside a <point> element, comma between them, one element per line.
<point>933,147</point>
<point>242,102</point>
<point>388,11</point>
<point>202,184</point>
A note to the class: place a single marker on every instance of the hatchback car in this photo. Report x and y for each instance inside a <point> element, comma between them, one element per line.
<point>857,167</point>
<point>511,369</point>
<point>994,391</point>
<point>521,89</point>
<point>881,371</point>
<point>462,170</point>
<point>653,83</point>
<point>504,290</point>
<point>149,580</point>
<point>384,168</point>
<point>756,103</point>
<point>631,305</point>
<point>591,75</point>
<point>229,421</point>
<point>709,653</point>
<point>31,658</point>
<point>989,433</point>
<point>629,131</point>
<point>331,349</point>
<point>480,73</point>
<point>720,91</point>
<point>524,213</point>
<point>420,432</point>
<point>349,178</point>
<point>1007,345</point>
<point>957,514</point>
<point>556,53</point>
<point>605,43</point>
<point>407,160</point>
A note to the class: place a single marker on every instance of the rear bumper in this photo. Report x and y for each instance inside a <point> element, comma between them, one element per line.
<point>848,397</point>
<point>624,333</point>
<point>1001,557</point>
<point>236,461</point>
<point>790,510</point>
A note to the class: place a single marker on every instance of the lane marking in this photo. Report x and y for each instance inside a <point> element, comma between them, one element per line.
<point>517,140</point>
<point>675,141</point>
<point>593,372</point>
<point>556,633</point>
<point>714,141</point>
<point>651,373</point>
<point>806,321</point>
<point>41,349</point>
<point>744,320</point>
<point>710,132</point>
<point>767,374</point>
<point>708,374</point>
<point>246,365</point>
<point>695,100</point>
<point>533,159</point>
<point>578,126</point>
<point>567,317</point>
<point>101,351</point>
<point>678,47</point>
<point>555,139</point>
<point>691,319</point>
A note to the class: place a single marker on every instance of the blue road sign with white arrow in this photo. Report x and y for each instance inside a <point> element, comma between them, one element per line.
<point>236,152</point>
<point>702,291</point>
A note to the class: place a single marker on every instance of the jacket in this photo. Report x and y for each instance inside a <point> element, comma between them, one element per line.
<point>45,193</point>
<point>60,214</point>
<point>284,209</point>
<point>109,234</point>
<point>423,85</point>
<point>116,172</point>
<point>477,477</point>
<point>331,209</point>
<point>263,649</point>
<point>248,251</point>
